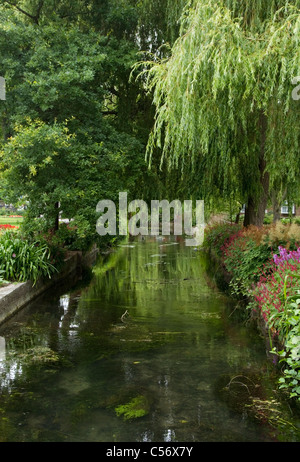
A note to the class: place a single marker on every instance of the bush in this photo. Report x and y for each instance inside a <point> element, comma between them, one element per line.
<point>268,219</point>
<point>245,252</point>
<point>242,250</point>
<point>79,235</point>
<point>290,356</point>
<point>271,281</point>
<point>23,261</point>
<point>286,235</point>
<point>217,235</point>
<point>277,296</point>
<point>243,260</point>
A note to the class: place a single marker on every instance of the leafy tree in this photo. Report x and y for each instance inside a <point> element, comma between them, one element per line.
<point>74,122</point>
<point>224,106</point>
<point>62,122</point>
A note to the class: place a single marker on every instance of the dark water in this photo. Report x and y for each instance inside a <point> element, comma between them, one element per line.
<point>149,351</point>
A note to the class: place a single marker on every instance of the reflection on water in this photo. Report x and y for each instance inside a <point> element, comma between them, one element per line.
<point>2,349</point>
<point>148,351</point>
<point>2,353</point>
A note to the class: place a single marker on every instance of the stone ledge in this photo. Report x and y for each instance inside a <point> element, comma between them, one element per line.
<point>15,296</point>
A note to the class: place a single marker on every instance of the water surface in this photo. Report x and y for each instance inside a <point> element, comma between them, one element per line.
<point>150,350</point>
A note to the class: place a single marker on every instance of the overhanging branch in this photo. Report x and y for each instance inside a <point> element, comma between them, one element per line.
<point>36,17</point>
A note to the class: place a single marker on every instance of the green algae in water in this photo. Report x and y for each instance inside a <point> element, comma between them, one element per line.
<point>137,407</point>
<point>38,355</point>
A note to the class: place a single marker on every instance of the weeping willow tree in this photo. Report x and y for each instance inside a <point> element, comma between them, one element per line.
<point>223,99</point>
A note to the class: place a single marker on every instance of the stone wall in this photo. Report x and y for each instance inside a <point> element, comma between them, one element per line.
<point>15,296</point>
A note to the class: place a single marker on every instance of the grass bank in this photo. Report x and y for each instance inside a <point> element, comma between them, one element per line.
<point>11,220</point>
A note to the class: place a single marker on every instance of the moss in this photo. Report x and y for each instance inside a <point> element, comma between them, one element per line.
<point>135,408</point>
<point>6,429</point>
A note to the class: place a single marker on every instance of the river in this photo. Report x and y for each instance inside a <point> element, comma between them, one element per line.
<point>148,350</point>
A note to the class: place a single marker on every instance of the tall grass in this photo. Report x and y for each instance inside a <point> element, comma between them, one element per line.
<point>23,261</point>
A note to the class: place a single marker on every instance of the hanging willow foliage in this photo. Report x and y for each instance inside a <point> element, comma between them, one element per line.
<point>162,16</point>
<point>231,68</point>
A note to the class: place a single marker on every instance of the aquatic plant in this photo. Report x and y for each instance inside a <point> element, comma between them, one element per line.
<point>135,408</point>
<point>37,355</point>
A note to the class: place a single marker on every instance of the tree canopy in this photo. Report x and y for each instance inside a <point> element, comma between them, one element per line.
<point>223,99</point>
<point>74,126</point>
<point>204,87</point>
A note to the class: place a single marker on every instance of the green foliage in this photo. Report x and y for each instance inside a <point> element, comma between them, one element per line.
<point>73,123</point>
<point>137,407</point>
<point>37,355</point>
<point>287,322</point>
<point>23,261</point>
<point>270,289</point>
<point>244,257</point>
<point>2,280</point>
<point>218,234</point>
<point>223,99</point>
<point>268,219</point>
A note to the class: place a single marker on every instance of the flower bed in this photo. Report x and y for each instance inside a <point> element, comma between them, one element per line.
<point>264,266</point>
<point>7,226</point>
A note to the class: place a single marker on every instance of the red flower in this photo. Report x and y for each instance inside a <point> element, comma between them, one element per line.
<point>8,226</point>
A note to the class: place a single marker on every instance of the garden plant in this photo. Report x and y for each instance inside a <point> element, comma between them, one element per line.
<point>264,267</point>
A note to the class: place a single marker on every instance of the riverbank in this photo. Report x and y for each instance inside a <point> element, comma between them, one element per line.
<point>15,296</point>
<point>243,310</point>
<point>262,268</point>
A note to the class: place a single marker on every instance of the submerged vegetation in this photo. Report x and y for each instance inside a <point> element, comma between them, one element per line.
<point>135,408</point>
<point>193,99</point>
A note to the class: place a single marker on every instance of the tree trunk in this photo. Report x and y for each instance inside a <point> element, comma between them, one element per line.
<point>277,201</point>
<point>275,207</point>
<point>56,224</point>
<point>237,218</point>
<point>256,207</point>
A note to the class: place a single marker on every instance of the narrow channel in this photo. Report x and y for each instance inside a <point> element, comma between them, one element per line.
<point>149,350</point>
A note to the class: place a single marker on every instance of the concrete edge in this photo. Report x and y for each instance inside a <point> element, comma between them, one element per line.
<point>16,296</point>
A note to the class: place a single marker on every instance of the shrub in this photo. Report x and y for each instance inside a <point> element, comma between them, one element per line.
<point>245,263</point>
<point>23,261</point>
<point>217,235</point>
<point>278,298</point>
<point>287,322</point>
<point>79,235</point>
<point>268,219</point>
<point>270,279</point>
<point>273,285</point>
<point>287,235</point>
<point>2,281</point>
